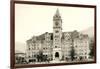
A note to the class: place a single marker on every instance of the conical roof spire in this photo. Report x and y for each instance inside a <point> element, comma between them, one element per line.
<point>57,12</point>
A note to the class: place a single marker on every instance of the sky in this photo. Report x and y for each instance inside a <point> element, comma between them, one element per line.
<point>37,19</point>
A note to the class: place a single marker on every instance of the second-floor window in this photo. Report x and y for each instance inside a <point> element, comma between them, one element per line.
<point>29,48</point>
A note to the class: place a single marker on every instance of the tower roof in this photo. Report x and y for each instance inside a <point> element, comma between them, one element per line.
<point>57,14</point>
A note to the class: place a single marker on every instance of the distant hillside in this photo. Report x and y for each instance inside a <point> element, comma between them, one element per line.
<point>20,47</point>
<point>17,51</point>
<point>89,31</point>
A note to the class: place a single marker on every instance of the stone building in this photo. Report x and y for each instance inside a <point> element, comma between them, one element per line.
<point>57,45</point>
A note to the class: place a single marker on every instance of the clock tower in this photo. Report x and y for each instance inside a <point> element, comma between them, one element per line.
<point>57,34</point>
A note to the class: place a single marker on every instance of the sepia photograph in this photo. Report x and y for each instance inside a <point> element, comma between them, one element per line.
<point>50,34</point>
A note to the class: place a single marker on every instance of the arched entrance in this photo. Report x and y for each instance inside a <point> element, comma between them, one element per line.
<point>56,55</point>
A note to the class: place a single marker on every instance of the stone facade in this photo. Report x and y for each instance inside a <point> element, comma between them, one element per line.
<point>57,45</point>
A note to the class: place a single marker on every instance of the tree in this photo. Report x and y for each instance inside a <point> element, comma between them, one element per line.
<point>91,49</point>
<point>74,35</point>
<point>45,58</point>
<point>72,53</point>
<point>40,56</point>
<point>37,58</point>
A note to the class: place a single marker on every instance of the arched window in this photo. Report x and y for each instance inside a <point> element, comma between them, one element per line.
<point>56,23</point>
<point>55,46</point>
<point>56,31</point>
<point>56,54</point>
<point>29,56</point>
<point>29,48</point>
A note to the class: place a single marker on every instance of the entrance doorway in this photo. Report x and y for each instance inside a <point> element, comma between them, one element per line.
<point>56,55</point>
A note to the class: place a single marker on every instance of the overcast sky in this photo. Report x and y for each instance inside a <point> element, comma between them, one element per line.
<point>36,19</point>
